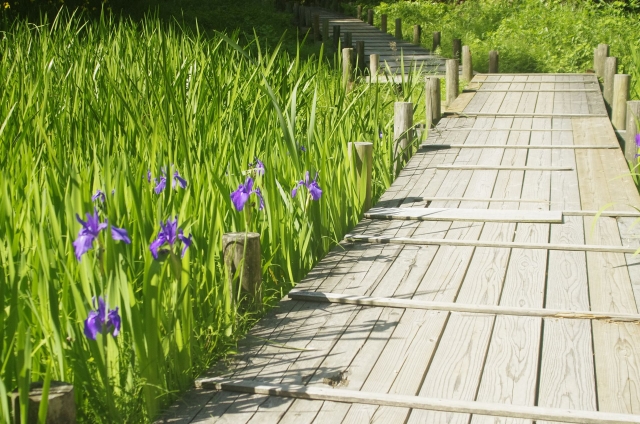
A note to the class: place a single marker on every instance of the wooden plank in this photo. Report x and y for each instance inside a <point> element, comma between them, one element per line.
<point>483,200</point>
<point>559,90</point>
<point>473,215</point>
<point>536,115</point>
<point>509,168</point>
<point>418,402</point>
<point>460,307</point>
<point>525,146</point>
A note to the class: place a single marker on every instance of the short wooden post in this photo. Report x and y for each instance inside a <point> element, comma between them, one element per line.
<point>336,36</point>
<point>242,259</point>
<point>361,156</point>
<point>610,69</point>
<point>347,67</point>
<point>451,66</point>
<point>316,27</point>
<point>347,40</point>
<point>61,408</point>
<point>370,17</point>
<point>432,98</point>
<point>457,48</point>
<point>399,29</point>
<point>467,64</point>
<point>416,34</point>
<point>402,128</point>
<point>359,12</point>
<point>383,23</point>
<point>600,55</point>
<point>621,83</point>
<point>633,117</point>
<point>493,62</point>
<point>374,60</point>
<point>436,41</point>
<point>325,29</point>
<point>360,63</point>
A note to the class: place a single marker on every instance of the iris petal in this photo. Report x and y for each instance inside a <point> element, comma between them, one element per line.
<point>120,234</point>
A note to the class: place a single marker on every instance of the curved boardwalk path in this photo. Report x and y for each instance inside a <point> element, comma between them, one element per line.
<point>464,295</point>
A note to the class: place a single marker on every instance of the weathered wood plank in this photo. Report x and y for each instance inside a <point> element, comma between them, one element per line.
<point>473,215</point>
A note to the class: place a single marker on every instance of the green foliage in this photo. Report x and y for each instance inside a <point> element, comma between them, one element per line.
<point>531,35</point>
<point>91,105</point>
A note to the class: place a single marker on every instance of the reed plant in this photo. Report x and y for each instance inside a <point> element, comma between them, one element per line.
<point>94,115</point>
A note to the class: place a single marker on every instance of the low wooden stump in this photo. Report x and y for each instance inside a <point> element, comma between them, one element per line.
<point>242,259</point>
<point>61,408</point>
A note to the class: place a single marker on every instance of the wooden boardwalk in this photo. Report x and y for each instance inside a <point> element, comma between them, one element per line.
<point>479,289</point>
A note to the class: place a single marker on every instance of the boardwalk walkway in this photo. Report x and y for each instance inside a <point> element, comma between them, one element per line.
<point>479,289</point>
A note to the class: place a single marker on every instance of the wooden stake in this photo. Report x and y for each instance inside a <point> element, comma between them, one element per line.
<point>633,117</point>
<point>621,83</point>
<point>242,259</point>
<point>599,58</point>
<point>360,64</point>
<point>374,60</point>
<point>383,23</point>
<point>432,99</point>
<point>359,12</point>
<point>347,67</point>
<point>416,34</point>
<point>467,64</point>
<point>325,30</point>
<point>370,17</point>
<point>610,69</point>
<point>451,66</point>
<point>348,43</point>
<point>436,41</point>
<point>457,48</point>
<point>402,128</point>
<point>336,36</point>
<point>493,62</point>
<point>399,29</point>
<point>316,27</point>
<point>362,160</point>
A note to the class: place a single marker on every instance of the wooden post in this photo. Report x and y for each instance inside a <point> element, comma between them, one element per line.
<point>347,67</point>
<point>467,64</point>
<point>451,66</point>
<point>633,117</point>
<point>62,405</point>
<point>399,29</point>
<point>599,57</point>
<point>296,13</point>
<point>416,34</point>
<point>402,128</point>
<point>308,18</point>
<point>436,41</point>
<point>242,259</point>
<point>610,69</point>
<point>432,97</point>
<point>359,13</point>
<point>336,36</point>
<point>325,29</point>
<point>383,23</point>
<point>361,156</point>
<point>621,83</point>
<point>457,48</point>
<point>370,17</point>
<point>374,60</point>
<point>347,40</point>
<point>316,27</point>
<point>360,64</point>
<point>493,62</point>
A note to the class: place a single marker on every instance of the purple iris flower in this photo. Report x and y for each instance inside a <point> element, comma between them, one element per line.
<point>91,229</point>
<point>179,180</point>
<point>148,175</point>
<point>240,197</point>
<point>638,141</point>
<point>102,320</point>
<point>258,166</point>
<point>169,234</point>
<point>160,184</point>
<point>99,196</point>
<point>311,185</point>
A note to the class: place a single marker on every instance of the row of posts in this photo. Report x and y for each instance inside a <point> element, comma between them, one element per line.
<point>623,112</point>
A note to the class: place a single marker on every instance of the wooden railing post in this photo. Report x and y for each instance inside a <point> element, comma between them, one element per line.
<point>361,156</point>
<point>360,63</point>
<point>370,17</point>
<point>433,103</point>
<point>436,41</point>
<point>452,80</point>
<point>402,128</point>
<point>347,67</point>
<point>416,34</point>
<point>610,70</point>
<point>296,13</point>
<point>359,12</point>
<point>242,259</point>
<point>633,117</point>
<point>383,23</point>
<point>336,36</point>
<point>316,27</point>
<point>599,56</point>
<point>457,48</point>
<point>621,83</point>
<point>374,60</point>
<point>61,408</point>
<point>467,64</point>
<point>348,43</point>
<point>398,33</point>
<point>325,30</point>
<point>493,62</point>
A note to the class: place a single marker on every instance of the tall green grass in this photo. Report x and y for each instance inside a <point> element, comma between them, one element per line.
<point>90,105</point>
